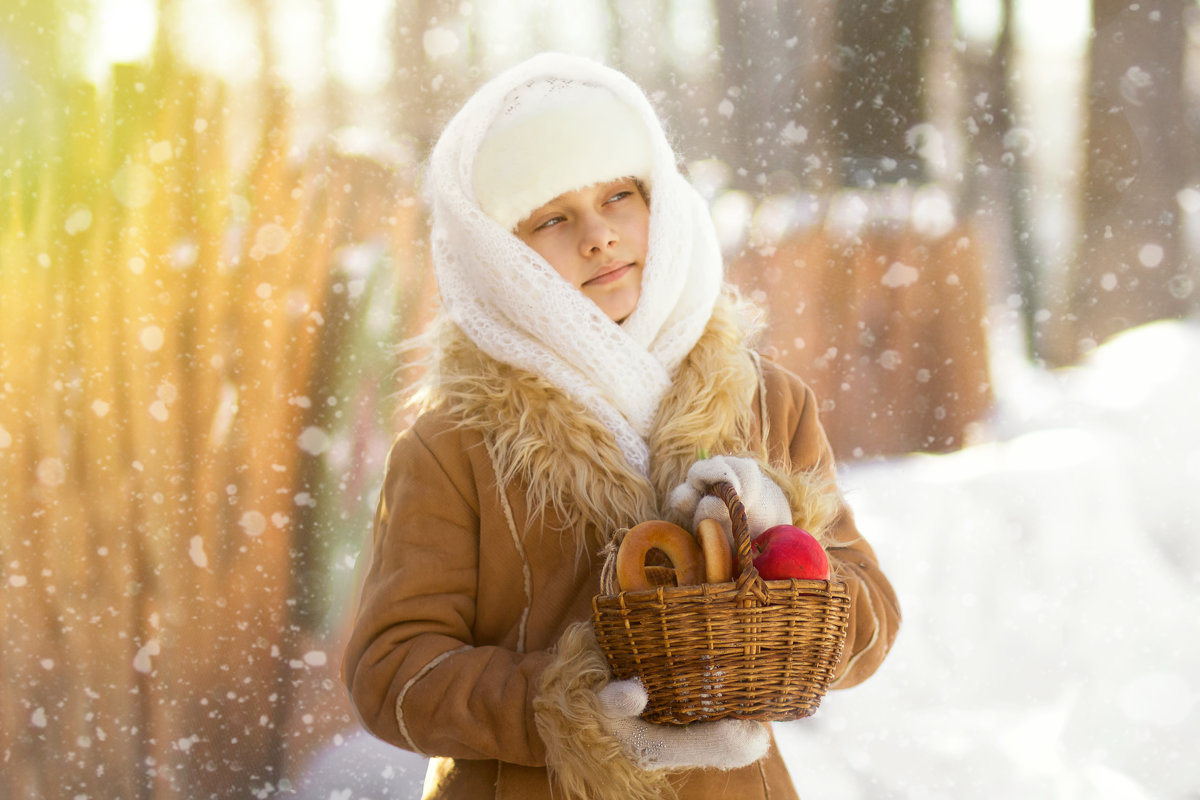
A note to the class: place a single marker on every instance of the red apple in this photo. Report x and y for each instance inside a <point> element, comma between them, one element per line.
<point>786,551</point>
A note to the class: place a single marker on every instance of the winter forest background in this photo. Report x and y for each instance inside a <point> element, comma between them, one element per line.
<point>975,225</point>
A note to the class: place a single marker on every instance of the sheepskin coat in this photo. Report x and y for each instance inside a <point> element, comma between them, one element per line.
<point>494,506</point>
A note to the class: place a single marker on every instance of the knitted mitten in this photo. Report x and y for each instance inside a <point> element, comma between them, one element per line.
<point>724,744</point>
<point>598,748</point>
<point>765,502</point>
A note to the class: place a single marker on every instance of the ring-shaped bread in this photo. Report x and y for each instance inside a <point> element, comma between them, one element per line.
<point>717,550</point>
<point>675,543</point>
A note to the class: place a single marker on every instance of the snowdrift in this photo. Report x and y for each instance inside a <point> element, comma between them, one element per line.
<point>1051,642</point>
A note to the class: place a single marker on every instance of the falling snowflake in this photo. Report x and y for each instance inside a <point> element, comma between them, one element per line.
<point>141,660</point>
<point>151,338</point>
<point>196,552</point>
<point>253,523</point>
<point>899,275</point>
<point>439,42</point>
<point>313,441</point>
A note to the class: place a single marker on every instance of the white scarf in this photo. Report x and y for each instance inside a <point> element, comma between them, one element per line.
<point>516,308</point>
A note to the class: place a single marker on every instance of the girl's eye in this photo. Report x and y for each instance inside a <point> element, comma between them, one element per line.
<point>550,223</point>
<point>621,195</point>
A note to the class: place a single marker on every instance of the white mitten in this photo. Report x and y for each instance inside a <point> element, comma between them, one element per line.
<point>724,744</point>
<point>765,503</point>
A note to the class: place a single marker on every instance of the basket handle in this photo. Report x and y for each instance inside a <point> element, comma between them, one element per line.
<point>748,579</point>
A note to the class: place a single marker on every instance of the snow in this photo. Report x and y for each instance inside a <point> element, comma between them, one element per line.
<point>253,523</point>
<point>440,42</point>
<point>141,661</point>
<point>51,472</point>
<point>314,441</point>
<point>158,410</point>
<point>363,766</point>
<point>1048,581</point>
<point>196,552</point>
<point>79,221</point>
<point>899,275</point>
<point>152,338</point>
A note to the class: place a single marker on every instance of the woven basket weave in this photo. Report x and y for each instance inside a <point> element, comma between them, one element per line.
<point>747,649</point>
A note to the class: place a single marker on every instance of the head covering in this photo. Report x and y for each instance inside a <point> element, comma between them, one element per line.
<point>556,136</point>
<point>516,308</point>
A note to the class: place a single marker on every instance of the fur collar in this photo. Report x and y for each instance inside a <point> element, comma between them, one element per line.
<point>567,460</point>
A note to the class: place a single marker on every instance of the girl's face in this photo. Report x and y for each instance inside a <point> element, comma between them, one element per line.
<point>595,238</point>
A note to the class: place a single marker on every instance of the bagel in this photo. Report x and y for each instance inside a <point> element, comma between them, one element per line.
<point>673,541</point>
<point>717,551</point>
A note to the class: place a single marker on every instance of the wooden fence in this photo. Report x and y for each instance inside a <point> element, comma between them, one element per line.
<point>887,324</point>
<point>187,356</point>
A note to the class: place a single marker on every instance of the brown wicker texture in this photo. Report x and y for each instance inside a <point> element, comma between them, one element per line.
<point>747,649</point>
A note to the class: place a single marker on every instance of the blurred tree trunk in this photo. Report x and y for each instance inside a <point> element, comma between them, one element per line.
<point>335,103</point>
<point>996,195</point>
<point>164,50</point>
<point>426,89</point>
<point>639,47</point>
<point>775,60</point>
<point>803,102</point>
<point>752,39</point>
<point>408,75</point>
<point>880,90</point>
<point>1130,266</point>
<point>29,41</point>
<point>30,61</point>
<point>1191,58</point>
<point>268,81</point>
<point>638,30</point>
<point>745,35</point>
<point>808,84</point>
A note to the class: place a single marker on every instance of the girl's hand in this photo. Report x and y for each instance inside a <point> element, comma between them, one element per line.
<point>724,744</point>
<point>765,503</point>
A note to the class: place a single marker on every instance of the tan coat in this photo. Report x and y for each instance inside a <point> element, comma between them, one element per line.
<point>470,586</point>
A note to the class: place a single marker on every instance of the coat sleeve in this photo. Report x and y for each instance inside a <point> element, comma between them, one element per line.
<point>416,676</point>
<point>874,608</point>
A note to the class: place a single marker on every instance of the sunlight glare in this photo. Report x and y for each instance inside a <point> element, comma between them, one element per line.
<point>361,55</point>
<point>503,36</point>
<point>125,31</point>
<point>218,37</point>
<point>693,31</point>
<point>979,20</point>
<point>1062,26</point>
<point>579,27</point>
<point>297,31</point>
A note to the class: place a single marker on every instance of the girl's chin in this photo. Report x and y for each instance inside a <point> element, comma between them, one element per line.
<point>618,302</point>
<point>618,311</point>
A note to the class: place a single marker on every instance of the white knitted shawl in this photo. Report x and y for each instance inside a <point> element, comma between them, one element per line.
<point>513,305</point>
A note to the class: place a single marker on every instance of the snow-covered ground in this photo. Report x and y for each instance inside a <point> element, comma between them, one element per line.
<point>1049,581</point>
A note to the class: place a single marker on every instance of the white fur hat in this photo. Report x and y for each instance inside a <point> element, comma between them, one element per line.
<point>554,136</point>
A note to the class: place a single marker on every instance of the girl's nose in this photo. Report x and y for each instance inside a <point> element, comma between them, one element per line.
<point>596,234</point>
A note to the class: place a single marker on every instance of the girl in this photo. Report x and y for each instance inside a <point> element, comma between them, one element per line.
<point>586,352</point>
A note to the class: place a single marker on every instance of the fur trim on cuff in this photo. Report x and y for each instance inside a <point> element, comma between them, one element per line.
<point>584,758</point>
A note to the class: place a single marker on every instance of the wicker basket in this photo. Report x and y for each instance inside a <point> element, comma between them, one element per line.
<point>748,649</point>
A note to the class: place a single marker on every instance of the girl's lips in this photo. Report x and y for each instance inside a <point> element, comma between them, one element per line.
<point>609,274</point>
